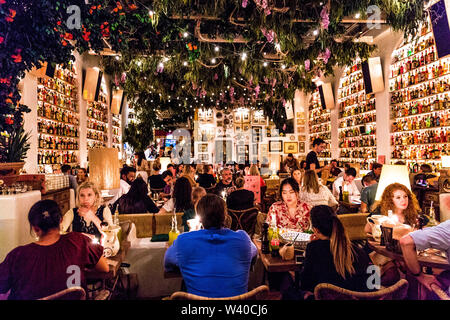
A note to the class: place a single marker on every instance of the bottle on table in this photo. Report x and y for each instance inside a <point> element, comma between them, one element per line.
<point>173,233</point>
<point>275,243</point>
<point>265,243</point>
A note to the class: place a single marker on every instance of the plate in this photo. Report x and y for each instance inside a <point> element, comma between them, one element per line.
<point>301,238</point>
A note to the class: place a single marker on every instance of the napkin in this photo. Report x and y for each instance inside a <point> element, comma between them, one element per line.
<point>162,237</point>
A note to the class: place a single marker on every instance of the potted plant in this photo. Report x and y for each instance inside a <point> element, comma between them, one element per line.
<point>14,141</point>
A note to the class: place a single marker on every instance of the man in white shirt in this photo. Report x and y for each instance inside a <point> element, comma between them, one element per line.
<point>346,180</point>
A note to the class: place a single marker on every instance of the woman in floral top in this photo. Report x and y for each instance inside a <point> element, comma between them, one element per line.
<point>290,213</point>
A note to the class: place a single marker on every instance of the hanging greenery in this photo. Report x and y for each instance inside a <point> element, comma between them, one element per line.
<point>266,48</point>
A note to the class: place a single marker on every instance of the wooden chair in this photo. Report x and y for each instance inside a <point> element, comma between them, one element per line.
<point>439,292</point>
<point>149,224</point>
<point>244,220</point>
<point>326,291</point>
<point>259,293</point>
<point>73,293</point>
<point>354,224</point>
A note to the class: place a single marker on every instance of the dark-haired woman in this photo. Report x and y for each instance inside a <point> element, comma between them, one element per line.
<point>331,257</point>
<point>290,213</point>
<point>44,267</point>
<point>136,200</point>
<point>181,200</point>
<point>215,261</point>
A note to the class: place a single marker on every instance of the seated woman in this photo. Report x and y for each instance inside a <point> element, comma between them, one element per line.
<point>215,261</point>
<point>404,206</point>
<point>331,257</point>
<point>156,180</point>
<point>82,175</point>
<point>181,200</point>
<point>136,200</point>
<point>41,268</point>
<point>314,193</point>
<point>206,179</point>
<point>291,212</point>
<point>88,214</point>
<point>197,194</point>
<point>297,174</point>
<point>240,199</point>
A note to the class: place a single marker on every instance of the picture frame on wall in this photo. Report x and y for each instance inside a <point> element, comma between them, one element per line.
<point>301,115</point>
<point>202,147</point>
<point>301,122</point>
<point>256,134</point>
<point>290,147</point>
<point>203,157</point>
<point>301,147</point>
<point>301,138</point>
<point>246,117</point>
<point>241,149</point>
<point>301,129</point>
<point>275,146</point>
<point>255,149</point>
<point>237,117</point>
<point>246,127</point>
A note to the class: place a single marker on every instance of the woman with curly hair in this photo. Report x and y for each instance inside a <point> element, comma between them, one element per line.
<point>401,201</point>
<point>404,205</point>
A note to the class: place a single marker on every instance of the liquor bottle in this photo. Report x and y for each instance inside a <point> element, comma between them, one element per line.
<point>432,217</point>
<point>174,232</point>
<point>275,243</point>
<point>265,243</point>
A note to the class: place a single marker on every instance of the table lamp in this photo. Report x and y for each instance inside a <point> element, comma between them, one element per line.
<point>104,169</point>
<point>392,174</point>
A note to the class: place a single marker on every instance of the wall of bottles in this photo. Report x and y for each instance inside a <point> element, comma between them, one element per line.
<point>97,122</point>
<point>319,124</point>
<point>357,119</point>
<point>58,119</point>
<point>420,102</point>
<point>116,132</point>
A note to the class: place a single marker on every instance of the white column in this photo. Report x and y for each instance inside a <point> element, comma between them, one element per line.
<point>29,98</point>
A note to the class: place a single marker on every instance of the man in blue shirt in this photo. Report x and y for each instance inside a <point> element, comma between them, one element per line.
<point>437,237</point>
<point>214,262</point>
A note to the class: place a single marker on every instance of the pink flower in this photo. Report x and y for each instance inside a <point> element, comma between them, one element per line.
<point>307,64</point>
<point>324,56</point>
<point>244,3</point>
<point>284,127</point>
<point>124,77</point>
<point>324,18</point>
<point>285,85</point>
<point>232,92</point>
<point>257,88</point>
<point>274,82</point>
<point>160,68</point>
<point>270,35</point>
<point>216,76</point>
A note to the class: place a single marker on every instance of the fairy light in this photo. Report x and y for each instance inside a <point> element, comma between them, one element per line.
<point>316,32</point>
<point>216,49</point>
<point>244,56</point>
<point>185,34</point>
<point>213,60</point>
<point>185,63</point>
<point>265,64</point>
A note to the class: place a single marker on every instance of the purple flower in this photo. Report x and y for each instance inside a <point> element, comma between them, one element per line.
<point>124,77</point>
<point>257,88</point>
<point>160,68</point>
<point>244,3</point>
<point>216,76</point>
<point>232,92</point>
<point>284,127</point>
<point>267,12</point>
<point>274,82</point>
<point>266,81</point>
<point>270,35</point>
<point>324,18</point>
<point>325,55</point>
<point>307,64</point>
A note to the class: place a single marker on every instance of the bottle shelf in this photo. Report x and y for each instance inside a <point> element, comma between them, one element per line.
<point>416,70</point>
<point>413,86</point>
<point>422,114</point>
<point>57,121</point>
<point>58,136</point>
<point>422,98</point>
<point>62,150</point>
<point>422,129</point>
<point>54,105</point>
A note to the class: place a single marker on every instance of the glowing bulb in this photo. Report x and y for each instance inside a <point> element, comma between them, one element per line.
<point>265,64</point>
<point>216,49</point>
<point>358,15</point>
<point>117,58</point>
<point>283,66</point>
<point>185,63</point>
<point>316,32</point>
<point>161,65</point>
<point>213,60</point>
<point>244,56</point>
<point>185,34</point>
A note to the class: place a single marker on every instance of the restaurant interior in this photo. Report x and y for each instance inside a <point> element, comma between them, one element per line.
<point>224,150</point>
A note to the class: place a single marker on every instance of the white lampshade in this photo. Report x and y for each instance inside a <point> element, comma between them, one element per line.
<point>392,174</point>
<point>445,161</point>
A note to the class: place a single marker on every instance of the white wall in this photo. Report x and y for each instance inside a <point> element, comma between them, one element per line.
<point>28,86</point>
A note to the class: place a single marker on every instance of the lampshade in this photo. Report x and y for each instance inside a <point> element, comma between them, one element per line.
<point>392,174</point>
<point>116,101</point>
<point>445,161</point>
<point>165,161</point>
<point>91,82</point>
<point>104,168</point>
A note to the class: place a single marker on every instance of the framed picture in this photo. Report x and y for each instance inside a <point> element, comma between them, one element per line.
<point>203,157</point>
<point>219,123</point>
<point>301,138</point>
<point>202,147</point>
<point>264,149</point>
<point>246,127</point>
<point>246,117</point>
<point>256,134</point>
<point>301,115</point>
<point>301,147</point>
<point>275,146</point>
<point>301,129</point>
<point>255,149</point>
<point>301,122</point>
<point>237,117</point>
<point>291,147</point>
<point>237,129</point>
<point>241,149</point>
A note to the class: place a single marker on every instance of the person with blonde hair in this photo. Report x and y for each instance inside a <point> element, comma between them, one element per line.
<point>314,193</point>
<point>88,214</point>
<point>240,199</point>
<point>254,171</point>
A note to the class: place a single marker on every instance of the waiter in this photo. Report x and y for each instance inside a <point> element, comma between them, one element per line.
<point>312,163</point>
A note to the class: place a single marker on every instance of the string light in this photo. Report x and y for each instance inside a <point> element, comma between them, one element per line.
<point>358,15</point>
<point>283,67</point>
<point>185,34</point>
<point>316,32</point>
<point>185,63</point>
<point>216,49</point>
<point>265,64</point>
<point>244,56</point>
<point>213,60</point>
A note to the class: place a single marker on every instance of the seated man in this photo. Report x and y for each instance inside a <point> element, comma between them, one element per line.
<point>368,193</point>
<point>376,171</point>
<point>214,261</point>
<point>226,184</point>
<point>127,176</point>
<point>334,170</point>
<point>347,181</point>
<point>437,237</point>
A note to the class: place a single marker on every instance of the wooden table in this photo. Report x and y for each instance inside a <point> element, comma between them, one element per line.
<point>276,264</point>
<point>114,264</point>
<point>351,206</point>
<point>430,261</point>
